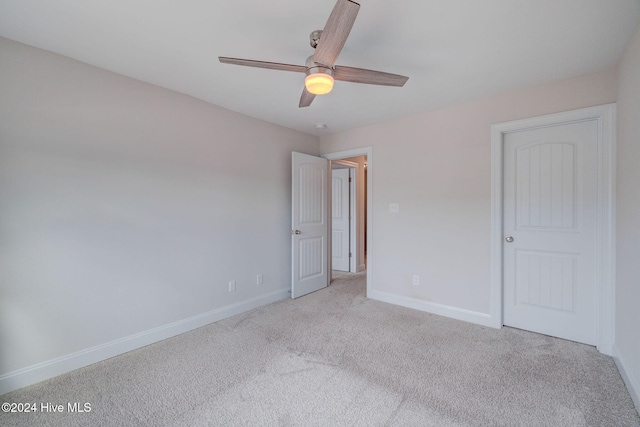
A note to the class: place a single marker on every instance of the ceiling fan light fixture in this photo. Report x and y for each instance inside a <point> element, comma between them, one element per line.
<point>320,67</point>
<point>319,83</point>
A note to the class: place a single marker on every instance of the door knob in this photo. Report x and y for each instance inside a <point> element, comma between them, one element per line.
<point>296,232</point>
<point>509,239</point>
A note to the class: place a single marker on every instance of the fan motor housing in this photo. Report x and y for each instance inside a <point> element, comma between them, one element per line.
<point>313,67</point>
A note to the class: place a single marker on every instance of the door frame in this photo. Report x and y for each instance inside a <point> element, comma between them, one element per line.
<point>605,116</point>
<point>353,209</point>
<point>368,152</point>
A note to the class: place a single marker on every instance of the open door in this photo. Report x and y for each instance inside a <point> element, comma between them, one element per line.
<point>309,224</point>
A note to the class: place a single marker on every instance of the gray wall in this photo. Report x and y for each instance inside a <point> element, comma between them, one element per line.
<point>126,207</point>
<point>628,218</point>
<point>437,167</point>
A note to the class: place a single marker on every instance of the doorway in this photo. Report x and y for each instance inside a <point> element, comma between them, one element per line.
<point>348,214</point>
<point>364,238</point>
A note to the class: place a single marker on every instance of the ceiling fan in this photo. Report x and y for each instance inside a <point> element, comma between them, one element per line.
<point>320,67</point>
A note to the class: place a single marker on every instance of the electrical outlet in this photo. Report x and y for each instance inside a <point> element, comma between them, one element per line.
<point>259,279</point>
<point>416,280</point>
<point>394,208</point>
<point>232,286</point>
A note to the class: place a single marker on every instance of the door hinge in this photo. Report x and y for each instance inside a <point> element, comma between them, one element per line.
<point>349,179</point>
<point>349,254</point>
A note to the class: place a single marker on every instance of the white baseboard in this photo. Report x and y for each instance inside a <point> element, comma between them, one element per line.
<point>60,365</point>
<point>434,308</point>
<point>633,384</point>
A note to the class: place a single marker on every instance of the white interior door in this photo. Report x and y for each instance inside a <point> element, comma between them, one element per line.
<point>340,219</point>
<point>550,230</point>
<point>310,225</point>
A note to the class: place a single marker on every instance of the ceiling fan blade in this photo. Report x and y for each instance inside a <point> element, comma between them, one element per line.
<point>263,64</point>
<point>361,75</point>
<point>306,99</point>
<point>335,32</point>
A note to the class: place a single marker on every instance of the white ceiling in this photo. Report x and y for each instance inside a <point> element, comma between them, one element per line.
<point>452,50</point>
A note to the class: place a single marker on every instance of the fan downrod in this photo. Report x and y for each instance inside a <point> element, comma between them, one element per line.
<point>314,38</point>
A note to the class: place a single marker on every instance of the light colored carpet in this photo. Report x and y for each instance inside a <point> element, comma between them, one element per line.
<point>336,358</point>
